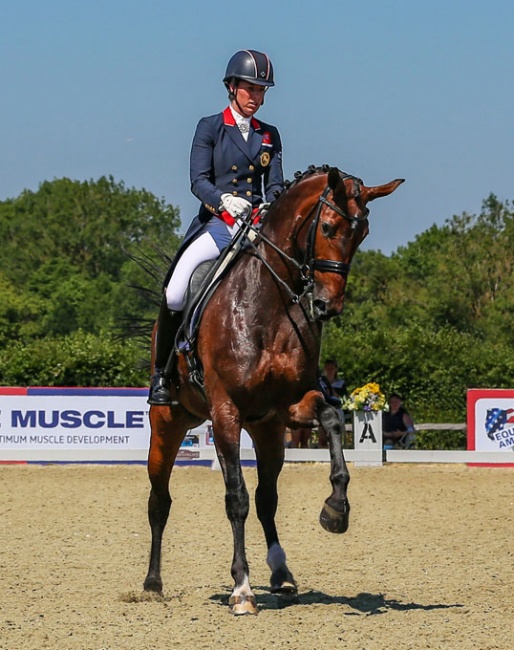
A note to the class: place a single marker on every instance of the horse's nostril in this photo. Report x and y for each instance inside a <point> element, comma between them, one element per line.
<point>320,306</point>
<point>320,309</point>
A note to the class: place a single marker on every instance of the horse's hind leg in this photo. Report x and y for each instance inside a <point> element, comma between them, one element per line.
<point>269,450</point>
<point>167,435</point>
<point>335,514</point>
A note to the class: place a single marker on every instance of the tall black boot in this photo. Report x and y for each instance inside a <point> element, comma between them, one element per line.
<point>168,323</point>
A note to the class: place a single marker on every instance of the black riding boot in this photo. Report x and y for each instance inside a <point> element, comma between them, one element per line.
<point>168,323</point>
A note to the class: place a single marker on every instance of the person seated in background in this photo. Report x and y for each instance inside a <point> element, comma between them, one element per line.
<point>334,387</point>
<point>330,379</point>
<point>398,430</point>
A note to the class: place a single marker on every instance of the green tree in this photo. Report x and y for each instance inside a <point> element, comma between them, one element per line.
<point>429,321</point>
<point>68,253</point>
<point>435,318</point>
<point>92,225</point>
<point>77,359</point>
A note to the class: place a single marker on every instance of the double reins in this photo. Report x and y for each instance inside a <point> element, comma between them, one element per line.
<point>310,263</point>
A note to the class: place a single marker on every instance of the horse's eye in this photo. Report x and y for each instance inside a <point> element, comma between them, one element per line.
<point>327,229</point>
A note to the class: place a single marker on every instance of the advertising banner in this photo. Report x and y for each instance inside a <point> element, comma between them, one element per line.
<point>84,424</point>
<point>490,415</point>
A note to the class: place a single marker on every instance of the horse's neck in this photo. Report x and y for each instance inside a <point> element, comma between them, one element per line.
<point>289,216</point>
<point>269,276</point>
<point>271,297</point>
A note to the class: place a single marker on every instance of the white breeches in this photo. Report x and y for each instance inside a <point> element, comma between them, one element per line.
<point>200,250</point>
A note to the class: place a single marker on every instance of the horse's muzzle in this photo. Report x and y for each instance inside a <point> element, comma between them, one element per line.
<point>322,310</point>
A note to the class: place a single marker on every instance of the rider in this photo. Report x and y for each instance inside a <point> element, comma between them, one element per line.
<point>235,165</point>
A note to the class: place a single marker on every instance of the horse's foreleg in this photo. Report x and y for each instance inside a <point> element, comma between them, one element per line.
<point>335,514</point>
<point>242,599</point>
<point>269,450</point>
<point>165,442</point>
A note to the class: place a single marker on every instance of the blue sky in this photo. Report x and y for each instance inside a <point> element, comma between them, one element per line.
<point>381,89</point>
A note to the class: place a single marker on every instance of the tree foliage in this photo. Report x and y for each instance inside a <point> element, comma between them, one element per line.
<point>66,255</point>
<point>67,265</point>
<point>77,359</point>
<point>435,318</point>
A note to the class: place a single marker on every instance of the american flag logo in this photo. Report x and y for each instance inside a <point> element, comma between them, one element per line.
<point>497,419</point>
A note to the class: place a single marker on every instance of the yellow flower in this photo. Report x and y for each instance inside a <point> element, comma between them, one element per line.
<point>366,398</point>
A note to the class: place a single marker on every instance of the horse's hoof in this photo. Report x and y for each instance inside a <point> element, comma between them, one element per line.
<point>242,605</point>
<point>153,584</point>
<point>284,588</point>
<point>333,520</point>
<point>282,582</point>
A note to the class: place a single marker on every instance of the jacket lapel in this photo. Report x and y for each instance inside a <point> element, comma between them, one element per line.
<point>255,138</point>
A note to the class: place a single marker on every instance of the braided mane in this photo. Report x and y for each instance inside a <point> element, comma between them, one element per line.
<point>299,176</point>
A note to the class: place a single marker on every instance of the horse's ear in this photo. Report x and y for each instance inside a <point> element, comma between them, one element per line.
<point>382,190</point>
<point>333,178</point>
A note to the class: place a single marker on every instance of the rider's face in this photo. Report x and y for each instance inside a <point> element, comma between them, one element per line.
<point>248,97</point>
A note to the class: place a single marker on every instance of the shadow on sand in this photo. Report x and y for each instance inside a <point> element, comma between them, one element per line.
<point>361,604</point>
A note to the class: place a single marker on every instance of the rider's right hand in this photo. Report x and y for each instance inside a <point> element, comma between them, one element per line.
<point>236,206</point>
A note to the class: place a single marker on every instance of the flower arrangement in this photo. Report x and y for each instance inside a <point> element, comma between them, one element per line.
<point>366,398</point>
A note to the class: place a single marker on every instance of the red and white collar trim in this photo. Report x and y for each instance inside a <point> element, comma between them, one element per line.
<point>230,120</point>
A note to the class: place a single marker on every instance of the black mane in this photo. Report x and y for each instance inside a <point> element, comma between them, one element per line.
<point>299,176</point>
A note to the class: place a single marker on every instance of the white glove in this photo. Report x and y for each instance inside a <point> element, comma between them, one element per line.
<point>263,209</point>
<point>236,206</point>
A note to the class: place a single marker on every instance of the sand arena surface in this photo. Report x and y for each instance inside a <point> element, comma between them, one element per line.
<point>427,562</point>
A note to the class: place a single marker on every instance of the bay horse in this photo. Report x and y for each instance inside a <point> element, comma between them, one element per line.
<point>258,343</point>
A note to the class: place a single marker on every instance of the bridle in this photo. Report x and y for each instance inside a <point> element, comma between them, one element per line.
<point>310,263</point>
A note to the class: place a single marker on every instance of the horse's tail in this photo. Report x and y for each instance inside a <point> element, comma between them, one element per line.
<point>139,325</point>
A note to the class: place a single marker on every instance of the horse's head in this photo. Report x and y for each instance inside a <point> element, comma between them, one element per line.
<point>331,224</point>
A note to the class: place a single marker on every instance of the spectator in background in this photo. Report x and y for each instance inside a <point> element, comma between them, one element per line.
<point>334,387</point>
<point>330,378</point>
<point>398,430</point>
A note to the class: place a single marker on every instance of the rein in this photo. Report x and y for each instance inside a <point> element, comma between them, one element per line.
<point>310,262</point>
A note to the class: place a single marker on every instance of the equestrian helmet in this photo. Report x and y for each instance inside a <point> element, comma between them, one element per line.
<point>250,65</point>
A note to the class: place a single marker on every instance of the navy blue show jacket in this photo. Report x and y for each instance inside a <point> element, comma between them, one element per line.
<point>222,161</point>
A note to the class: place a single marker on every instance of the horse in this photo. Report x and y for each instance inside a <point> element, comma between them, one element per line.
<point>258,343</point>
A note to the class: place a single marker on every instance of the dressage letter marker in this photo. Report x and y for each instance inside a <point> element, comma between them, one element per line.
<point>367,431</point>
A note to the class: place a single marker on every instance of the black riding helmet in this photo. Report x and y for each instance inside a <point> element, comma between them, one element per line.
<point>249,65</point>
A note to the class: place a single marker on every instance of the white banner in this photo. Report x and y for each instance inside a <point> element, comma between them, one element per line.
<point>491,422</point>
<point>84,424</point>
<point>73,422</point>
